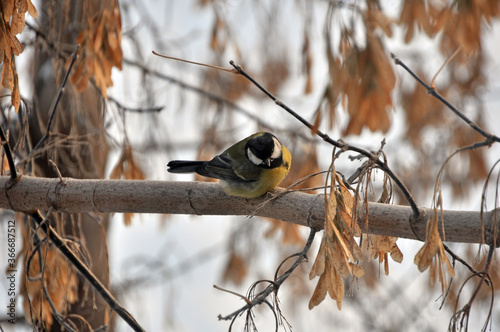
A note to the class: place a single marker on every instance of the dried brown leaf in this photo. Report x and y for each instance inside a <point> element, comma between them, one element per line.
<point>374,18</point>
<point>380,246</point>
<point>6,72</point>
<point>319,293</point>
<point>419,15</point>
<point>317,121</point>
<point>127,219</point>
<point>7,9</point>
<point>16,95</point>
<point>318,267</point>
<point>31,9</point>
<point>368,92</point>
<point>433,255</point>
<point>100,50</point>
<point>421,112</point>
<point>335,288</point>
<point>290,232</point>
<point>331,211</point>
<point>215,44</point>
<point>339,260</point>
<point>236,269</point>
<point>12,22</point>
<point>357,270</point>
<point>61,281</point>
<point>307,63</point>
<point>127,167</point>
<point>274,71</point>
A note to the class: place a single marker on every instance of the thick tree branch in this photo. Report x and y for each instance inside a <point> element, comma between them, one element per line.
<point>74,196</point>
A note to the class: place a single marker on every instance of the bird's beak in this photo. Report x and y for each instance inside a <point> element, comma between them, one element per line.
<point>268,162</point>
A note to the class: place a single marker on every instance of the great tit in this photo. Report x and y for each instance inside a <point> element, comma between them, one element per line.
<point>249,168</point>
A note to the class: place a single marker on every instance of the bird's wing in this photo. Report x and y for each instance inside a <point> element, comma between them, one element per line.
<point>220,168</point>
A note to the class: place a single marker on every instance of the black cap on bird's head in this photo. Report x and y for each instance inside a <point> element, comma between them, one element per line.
<point>264,150</point>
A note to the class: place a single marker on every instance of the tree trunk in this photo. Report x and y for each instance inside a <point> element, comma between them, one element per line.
<point>78,117</point>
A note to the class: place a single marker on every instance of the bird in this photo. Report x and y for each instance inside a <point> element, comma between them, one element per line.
<point>250,168</point>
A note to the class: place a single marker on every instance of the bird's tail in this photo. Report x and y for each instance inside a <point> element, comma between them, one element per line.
<point>184,166</point>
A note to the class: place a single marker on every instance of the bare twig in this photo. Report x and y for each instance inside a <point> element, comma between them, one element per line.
<point>57,170</point>
<point>490,138</point>
<point>195,63</point>
<point>444,65</point>
<point>461,260</point>
<point>490,235</point>
<point>155,109</point>
<point>56,101</point>
<point>8,154</point>
<point>64,322</point>
<point>274,285</point>
<point>65,56</point>
<point>201,92</point>
<point>85,272</point>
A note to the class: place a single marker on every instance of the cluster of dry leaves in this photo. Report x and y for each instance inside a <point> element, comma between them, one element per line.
<point>361,77</point>
<point>47,281</point>
<point>100,49</point>
<point>361,73</point>
<point>12,15</point>
<point>100,46</point>
<point>339,252</point>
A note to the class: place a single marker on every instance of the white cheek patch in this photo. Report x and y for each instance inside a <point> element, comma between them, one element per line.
<point>257,161</point>
<point>277,149</point>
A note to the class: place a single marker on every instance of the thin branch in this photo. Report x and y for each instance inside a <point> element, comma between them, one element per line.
<point>63,321</point>
<point>461,260</point>
<point>56,101</point>
<point>275,285</point>
<point>155,109</point>
<point>148,71</point>
<point>210,96</point>
<point>8,154</point>
<point>433,92</point>
<point>484,203</point>
<point>48,41</point>
<point>85,272</point>
<point>54,165</point>
<point>444,65</point>
<point>244,298</point>
<point>195,63</point>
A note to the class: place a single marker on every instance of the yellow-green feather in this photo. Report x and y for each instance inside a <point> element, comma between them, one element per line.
<point>267,179</point>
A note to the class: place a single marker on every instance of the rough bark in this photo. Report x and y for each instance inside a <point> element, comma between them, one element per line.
<point>77,115</point>
<point>199,198</point>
